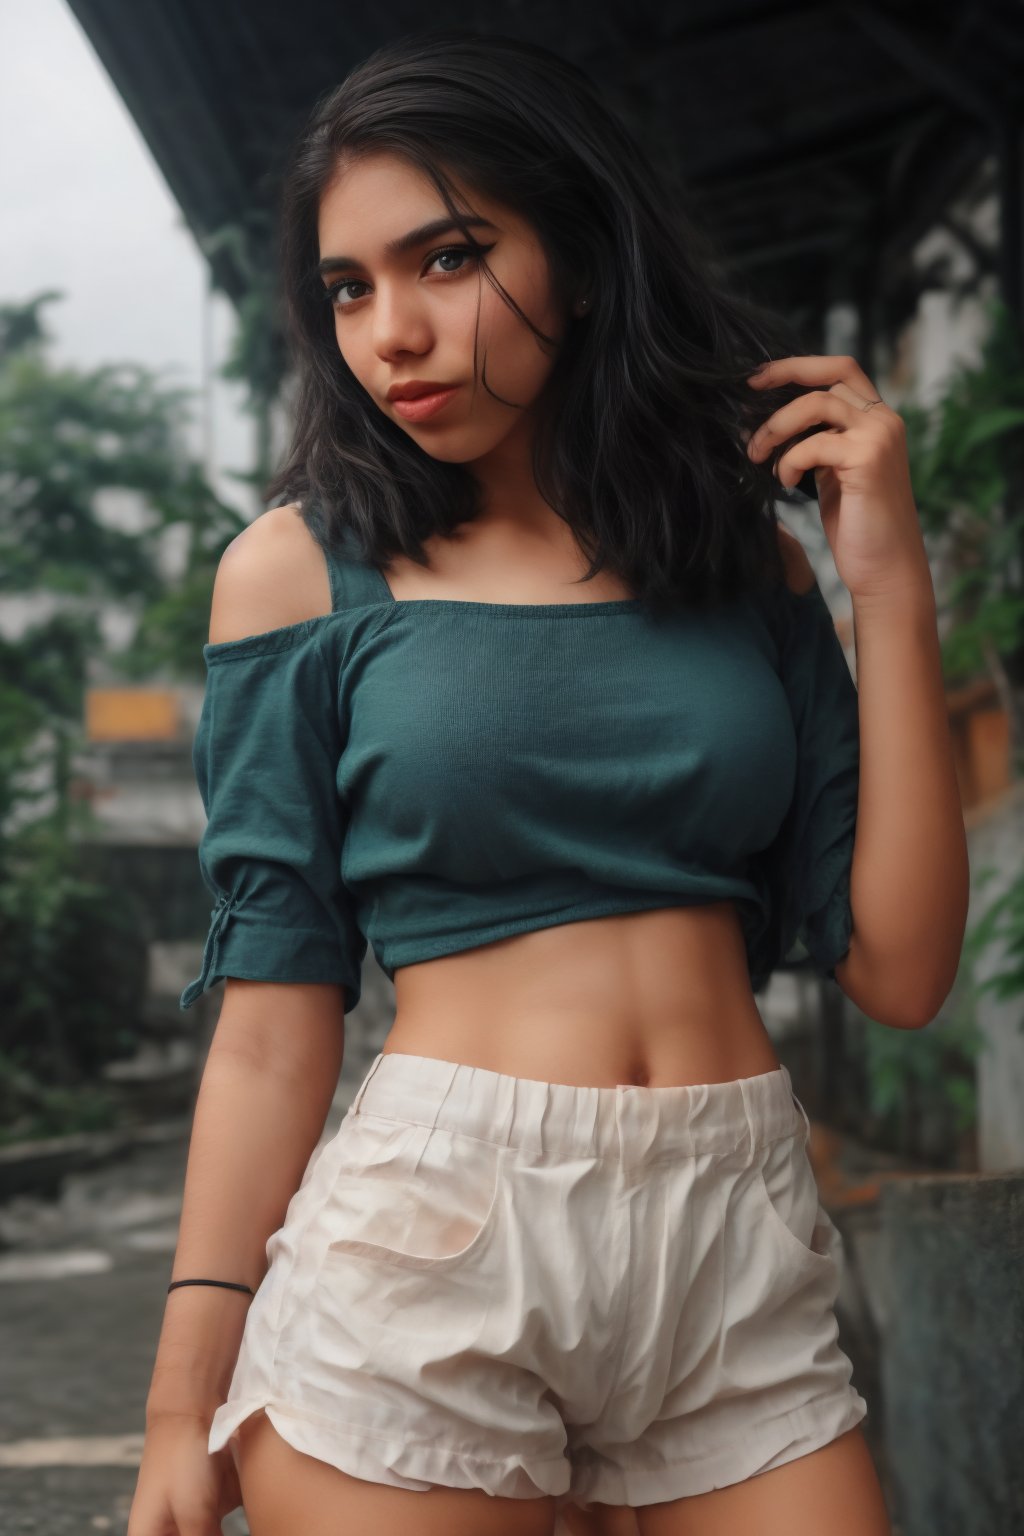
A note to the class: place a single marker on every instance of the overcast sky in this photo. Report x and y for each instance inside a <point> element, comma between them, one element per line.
<point>86,210</point>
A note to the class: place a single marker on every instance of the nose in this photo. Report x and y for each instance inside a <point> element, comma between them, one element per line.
<point>399,323</point>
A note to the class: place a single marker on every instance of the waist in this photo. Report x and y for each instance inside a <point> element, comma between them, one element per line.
<point>653,998</point>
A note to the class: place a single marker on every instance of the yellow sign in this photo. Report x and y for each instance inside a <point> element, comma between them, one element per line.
<point>131,714</point>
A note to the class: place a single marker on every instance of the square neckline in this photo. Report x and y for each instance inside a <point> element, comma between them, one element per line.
<point>601,605</point>
<point>810,597</point>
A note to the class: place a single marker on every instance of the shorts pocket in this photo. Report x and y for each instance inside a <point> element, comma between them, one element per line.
<point>787,1193</point>
<point>414,1196</point>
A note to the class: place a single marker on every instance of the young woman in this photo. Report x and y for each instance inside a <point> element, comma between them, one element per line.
<point>523,684</point>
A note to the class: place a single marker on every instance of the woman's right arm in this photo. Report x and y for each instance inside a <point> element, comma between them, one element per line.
<point>267,1086</point>
<point>273,1066</point>
<point>276,1055</point>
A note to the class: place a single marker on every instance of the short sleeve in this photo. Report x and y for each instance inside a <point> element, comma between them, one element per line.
<point>265,757</point>
<point>806,871</point>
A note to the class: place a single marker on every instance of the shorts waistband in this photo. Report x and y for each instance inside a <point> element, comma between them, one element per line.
<point>634,1123</point>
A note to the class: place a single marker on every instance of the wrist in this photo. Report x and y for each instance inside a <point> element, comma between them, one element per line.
<point>178,1401</point>
<point>157,1414</point>
<point>189,1383</point>
<point>197,1352</point>
<point>908,588</point>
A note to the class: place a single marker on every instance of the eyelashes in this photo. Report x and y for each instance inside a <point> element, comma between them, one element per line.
<point>473,253</point>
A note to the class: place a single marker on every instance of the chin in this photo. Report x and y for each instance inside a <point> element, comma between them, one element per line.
<point>460,448</point>
<point>453,453</point>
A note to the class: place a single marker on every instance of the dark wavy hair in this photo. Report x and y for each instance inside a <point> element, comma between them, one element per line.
<point>639,444</point>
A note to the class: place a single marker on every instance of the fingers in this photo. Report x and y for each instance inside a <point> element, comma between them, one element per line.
<point>817,372</point>
<point>808,410</point>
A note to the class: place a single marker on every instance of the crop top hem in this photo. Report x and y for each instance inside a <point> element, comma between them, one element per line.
<point>411,953</point>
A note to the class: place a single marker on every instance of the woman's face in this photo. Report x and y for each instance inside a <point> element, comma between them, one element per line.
<point>405,314</point>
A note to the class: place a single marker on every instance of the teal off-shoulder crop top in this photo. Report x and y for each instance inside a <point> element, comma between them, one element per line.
<point>429,775</point>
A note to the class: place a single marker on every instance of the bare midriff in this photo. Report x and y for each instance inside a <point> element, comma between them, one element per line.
<point>650,998</point>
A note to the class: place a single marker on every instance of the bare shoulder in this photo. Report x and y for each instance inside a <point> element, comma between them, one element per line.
<point>800,575</point>
<point>272,574</point>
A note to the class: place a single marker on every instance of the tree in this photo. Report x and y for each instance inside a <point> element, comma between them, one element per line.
<point>72,958</point>
<point>967,463</point>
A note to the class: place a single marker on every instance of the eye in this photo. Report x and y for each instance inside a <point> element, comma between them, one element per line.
<point>452,250</point>
<point>333,293</point>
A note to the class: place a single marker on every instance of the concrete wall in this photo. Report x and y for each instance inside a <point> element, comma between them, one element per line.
<point>996,840</point>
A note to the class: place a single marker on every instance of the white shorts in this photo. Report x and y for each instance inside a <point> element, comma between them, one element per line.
<point>614,1295</point>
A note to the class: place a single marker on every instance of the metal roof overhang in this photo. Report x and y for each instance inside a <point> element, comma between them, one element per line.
<point>817,141</point>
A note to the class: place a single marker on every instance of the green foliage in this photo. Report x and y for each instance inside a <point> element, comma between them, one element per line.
<point>66,438</point>
<point>967,470</point>
<point>966,452</point>
<point>31,1109</point>
<point>173,627</point>
<point>966,455</point>
<point>73,953</point>
<point>1002,922</point>
<point>258,357</point>
<point>921,1083</point>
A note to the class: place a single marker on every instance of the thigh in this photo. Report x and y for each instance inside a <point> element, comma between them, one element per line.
<point>285,1491</point>
<point>601,1520</point>
<point>834,1489</point>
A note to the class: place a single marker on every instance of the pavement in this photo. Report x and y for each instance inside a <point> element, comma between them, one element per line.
<point>83,1282</point>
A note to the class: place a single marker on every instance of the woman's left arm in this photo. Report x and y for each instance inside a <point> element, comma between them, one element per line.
<point>910,880</point>
<point>910,877</point>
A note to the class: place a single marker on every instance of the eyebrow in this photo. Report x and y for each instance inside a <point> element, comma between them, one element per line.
<point>405,242</point>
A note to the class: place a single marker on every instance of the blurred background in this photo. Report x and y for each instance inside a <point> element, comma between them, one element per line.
<point>861,168</point>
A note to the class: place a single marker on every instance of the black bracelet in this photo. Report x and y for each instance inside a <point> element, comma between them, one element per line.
<point>230,1285</point>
